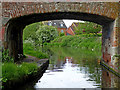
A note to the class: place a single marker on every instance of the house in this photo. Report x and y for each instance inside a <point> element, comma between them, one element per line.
<point>71,29</point>
<point>74,26</point>
<point>61,27</point>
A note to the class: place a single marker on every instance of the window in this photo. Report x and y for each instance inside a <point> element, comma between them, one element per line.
<point>62,31</point>
<point>54,23</point>
<point>61,25</point>
<point>68,34</point>
<point>50,23</point>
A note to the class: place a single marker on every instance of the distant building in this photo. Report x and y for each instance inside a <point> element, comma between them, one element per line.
<point>71,29</point>
<point>61,27</point>
<point>74,26</point>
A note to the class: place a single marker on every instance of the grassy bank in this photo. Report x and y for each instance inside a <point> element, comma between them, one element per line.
<point>15,72</point>
<point>12,72</point>
<point>79,41</point>
<point>32,51</point>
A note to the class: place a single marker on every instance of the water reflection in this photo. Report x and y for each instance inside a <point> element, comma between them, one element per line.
<point>69,76</point>
<point>75,68</point>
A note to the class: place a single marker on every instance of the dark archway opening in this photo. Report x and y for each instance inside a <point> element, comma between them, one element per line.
<point>15,27</point>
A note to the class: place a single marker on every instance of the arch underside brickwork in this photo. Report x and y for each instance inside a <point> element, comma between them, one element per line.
<point>21,14</point>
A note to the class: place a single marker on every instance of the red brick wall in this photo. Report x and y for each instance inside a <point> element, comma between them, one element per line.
<point>64,30</point>
<point>2,33</point>
<point>106,79</point>
<point>69,30</point>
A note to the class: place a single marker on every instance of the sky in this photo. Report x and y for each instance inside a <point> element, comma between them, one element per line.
<point>69,22</point>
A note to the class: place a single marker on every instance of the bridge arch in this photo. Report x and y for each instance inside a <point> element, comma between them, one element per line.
<point>21,14</point>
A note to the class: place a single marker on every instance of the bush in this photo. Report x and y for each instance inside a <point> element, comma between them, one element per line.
<point>11,71</point>
<point>6,57</point>
<point>62,34</point>
<point>81,41</point>
<point>7,71</point>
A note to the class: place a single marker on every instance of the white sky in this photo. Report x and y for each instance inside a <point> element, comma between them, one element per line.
<point>69,22</point>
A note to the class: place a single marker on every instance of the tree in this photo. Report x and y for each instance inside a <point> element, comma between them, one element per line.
<point>92,28</point>
<point>29,33</point>
<point>46,33</point>
<point>37,33</point>
<point>88,27</point>
<point>80,28</point>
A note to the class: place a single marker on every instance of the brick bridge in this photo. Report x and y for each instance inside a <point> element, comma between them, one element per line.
<point>16,15</point>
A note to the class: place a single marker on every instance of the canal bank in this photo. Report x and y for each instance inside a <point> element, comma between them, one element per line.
<point>42,66</point>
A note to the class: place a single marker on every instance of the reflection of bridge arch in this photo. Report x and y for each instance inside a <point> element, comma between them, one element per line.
<point>16,15</point>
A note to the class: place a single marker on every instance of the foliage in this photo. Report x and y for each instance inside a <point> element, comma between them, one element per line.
<point>29,49</point>
<point>6,57</point>
<point>0,71</point>
<point>0,56</point>
<point>117,56</point>
<point>46,33</point>
<point>37,33</point>
<point>30,32</point>
<point>79,41</point>
<point>11,71</point>
<point>62,34</point>
<point>87,27</point>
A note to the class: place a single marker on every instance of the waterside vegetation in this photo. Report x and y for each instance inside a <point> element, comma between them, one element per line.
<point>13,72</point>
<point>31,50</point>
<point>77,41</point>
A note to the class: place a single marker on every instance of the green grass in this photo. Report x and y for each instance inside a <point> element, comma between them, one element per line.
<point>0,71</point>
<point>80,41</point>
<point>0,56</point>
<point>11,71</point>
<point>30,50</point>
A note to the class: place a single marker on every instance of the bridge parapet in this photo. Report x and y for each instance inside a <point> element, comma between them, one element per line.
<point>17,9</point>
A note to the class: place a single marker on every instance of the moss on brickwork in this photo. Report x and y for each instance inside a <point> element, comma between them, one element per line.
<point>110,69</point>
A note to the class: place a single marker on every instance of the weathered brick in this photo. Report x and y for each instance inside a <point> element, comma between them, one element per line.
<point>105,11</point>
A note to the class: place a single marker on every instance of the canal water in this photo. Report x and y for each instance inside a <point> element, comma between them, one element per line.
<point>75,68</point>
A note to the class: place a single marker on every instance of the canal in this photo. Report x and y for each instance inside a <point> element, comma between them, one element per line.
<point>75,68</point>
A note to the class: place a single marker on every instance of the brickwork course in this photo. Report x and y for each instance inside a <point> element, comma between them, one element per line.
<point>16,15</point>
